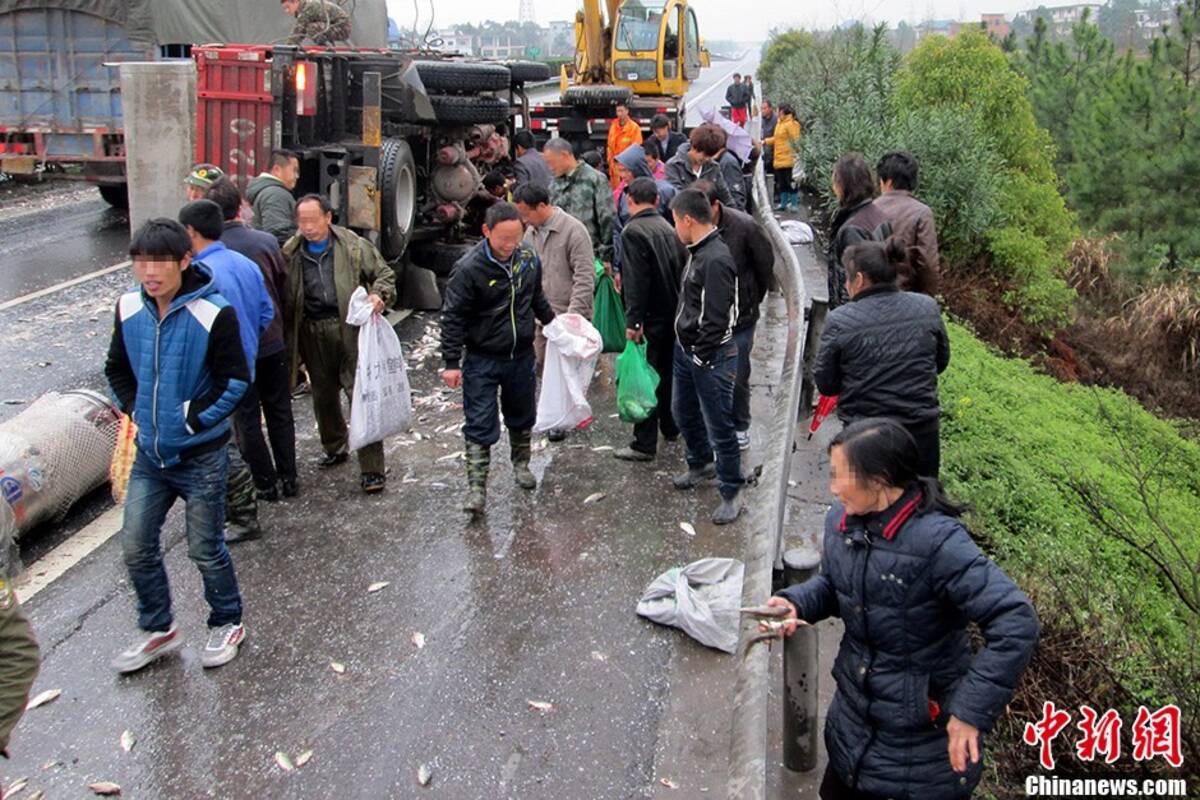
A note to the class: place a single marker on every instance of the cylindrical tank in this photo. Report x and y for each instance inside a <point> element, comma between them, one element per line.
<point>52,454</point>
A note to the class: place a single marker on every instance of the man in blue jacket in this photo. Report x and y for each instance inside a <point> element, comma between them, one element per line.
<point>176,363</point>
<point>239,281</point>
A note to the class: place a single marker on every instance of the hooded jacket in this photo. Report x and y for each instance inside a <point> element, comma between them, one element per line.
<point>708,299</point>
<point>274,207</point>
<point>906,582</point>
<point>681,175</point>
<point>634,160</point>
<point>181,376</point>
<point>490,305</point>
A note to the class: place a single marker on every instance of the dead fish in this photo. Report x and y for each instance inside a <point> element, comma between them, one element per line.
<point>107,788</point>
<point>375,587</point>
<point>594,498</point>
<point>128,740</point>
<point>304,758</point>
<point>337,667</point>
<point>540,705</point>
<point>284,762</point>
<point>424,775</point>
<point>48,696</point>
<point>452,456</point>
<point>602,448</point>
<point>14,787</point>
<point>687,528</point>
<point>418,640</point>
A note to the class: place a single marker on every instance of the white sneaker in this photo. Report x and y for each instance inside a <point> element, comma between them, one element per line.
<point>743,438</point>
<point>222,645</point>
<point>151,647</point>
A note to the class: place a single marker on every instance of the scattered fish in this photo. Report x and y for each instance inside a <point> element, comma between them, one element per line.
<point>375,587</point>
<point>667,782</point>
<point>106,788</point>
<point>38,795</point>
<point>304,758</point>
<point>418,640</point>
<point>14,787</point>
<point>424,775</point>
<point>284,762</point>
<point>337,667</point>
<point>540,705</point>
<point>687,528</point>
<point>598,656</point>
<point>452,456</point>
<point>128,740</point>
<point>48,696</point>
<point>602,448</point>
<point>594,498</point>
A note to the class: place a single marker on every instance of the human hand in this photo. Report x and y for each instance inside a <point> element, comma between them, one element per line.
<point>633,334</point>
<point>964,742</point>
<point>790,622</point>
<point>452,378</point>
<point>377,303</point>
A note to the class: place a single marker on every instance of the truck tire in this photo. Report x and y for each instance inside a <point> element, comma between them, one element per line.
<point>596,95</point>
<point>469,110</point>
<point>460,77</point>
<point>115,194</point>
<point>528,71</point>
<point>398,196</point>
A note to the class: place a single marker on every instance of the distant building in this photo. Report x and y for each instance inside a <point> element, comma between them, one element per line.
<point>454,42</point>
<point>1061,19</point>
<point>996,25</point>
<point>498,46</point>
<point>938,27</point>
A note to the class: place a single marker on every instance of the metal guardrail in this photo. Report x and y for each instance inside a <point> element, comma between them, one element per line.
<point>748,760</point>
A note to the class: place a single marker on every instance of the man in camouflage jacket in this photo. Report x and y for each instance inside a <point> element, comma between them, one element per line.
<point>18,650</point>
<point>583,193</point>
<point>320,21</point>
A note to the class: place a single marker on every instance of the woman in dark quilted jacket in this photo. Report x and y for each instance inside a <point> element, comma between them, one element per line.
<point>856,220</point>
<point>913,702</point>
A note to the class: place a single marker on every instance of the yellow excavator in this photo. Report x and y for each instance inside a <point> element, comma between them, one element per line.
<point>644,53</point>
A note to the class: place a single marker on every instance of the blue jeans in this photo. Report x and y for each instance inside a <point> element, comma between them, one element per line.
<point>702,404</point>
<point>200,481</point>
<point>741,392</point>
<point>494,385</point>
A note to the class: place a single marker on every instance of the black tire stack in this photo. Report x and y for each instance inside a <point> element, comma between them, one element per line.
<point>454,86</point>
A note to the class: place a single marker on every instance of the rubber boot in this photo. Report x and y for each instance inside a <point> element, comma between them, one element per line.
<point>241,502</point>
<point>479,458</point>
<point>519,444</point>
<point>729,510</point>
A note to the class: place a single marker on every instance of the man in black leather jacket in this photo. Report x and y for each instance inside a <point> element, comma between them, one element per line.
<point>882,352</point>
<point>491,302</point>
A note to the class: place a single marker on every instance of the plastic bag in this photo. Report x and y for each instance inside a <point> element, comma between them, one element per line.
<point>702,599</point>
<point>608,315</point>
<point>572,346</point>
<point>637,383</point>
<point>382,403</point>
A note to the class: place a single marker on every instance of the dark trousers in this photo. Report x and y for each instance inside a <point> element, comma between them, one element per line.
<point>331,373</point>
<point>832,788</point>
<point>702,403</point>
<point>929,447</point>
<point>200,481</point>
<point>660,352</point>
<point>741,390</point>
<point>492,385</point>
<point>268,397</point>
<point>783,180</point>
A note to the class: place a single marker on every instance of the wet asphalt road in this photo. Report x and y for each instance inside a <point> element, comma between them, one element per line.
<point>533,603</point>
<point>43,247</point>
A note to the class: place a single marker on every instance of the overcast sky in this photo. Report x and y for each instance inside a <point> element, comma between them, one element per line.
<point>729,19</point>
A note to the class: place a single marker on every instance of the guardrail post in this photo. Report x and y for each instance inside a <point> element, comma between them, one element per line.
<point>800,669</point>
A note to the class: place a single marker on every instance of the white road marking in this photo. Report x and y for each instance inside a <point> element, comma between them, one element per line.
<point>55,564</point>
<point>58,287</point>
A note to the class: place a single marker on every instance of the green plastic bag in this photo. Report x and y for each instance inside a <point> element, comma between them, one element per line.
<point>637,383</point>
<point>608,315</point>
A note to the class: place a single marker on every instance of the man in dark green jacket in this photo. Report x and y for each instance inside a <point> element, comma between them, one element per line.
<point>270,196</point>
<point>18,653</point>
<point>326,263</point>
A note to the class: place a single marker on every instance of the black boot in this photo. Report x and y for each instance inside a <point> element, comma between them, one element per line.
<point>479,458</point>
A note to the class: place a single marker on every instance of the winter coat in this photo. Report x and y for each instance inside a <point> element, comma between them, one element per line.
<point>273,205</point>
<point>585,195</point>
<point>239,281</point>
<point>620,137</point>
<point>682,175</point>
<point>708,299</point>
<point>181,376</point>
<point>768,130</point>
<point>652,270</point>
<point>568,263</point>
<point>913,226</point>
<point>634,160</point>
<point>755,260</point>
<point>18,660</point>
<point>738,95</point>
<point>854,225</point>
<point>906,582</point>
<point>735,179</point>
<point>881,355</point>
<point>784,136</point>
<point>356,263</point>
<point>530,167</point>
<point>490,306</point>
<point>668,148</point>
<point>261,248</point>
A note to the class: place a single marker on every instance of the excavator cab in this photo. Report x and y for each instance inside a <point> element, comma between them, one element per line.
<point>655,47</point>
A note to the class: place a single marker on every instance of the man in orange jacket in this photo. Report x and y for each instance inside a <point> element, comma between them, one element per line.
<point>622,132</point>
